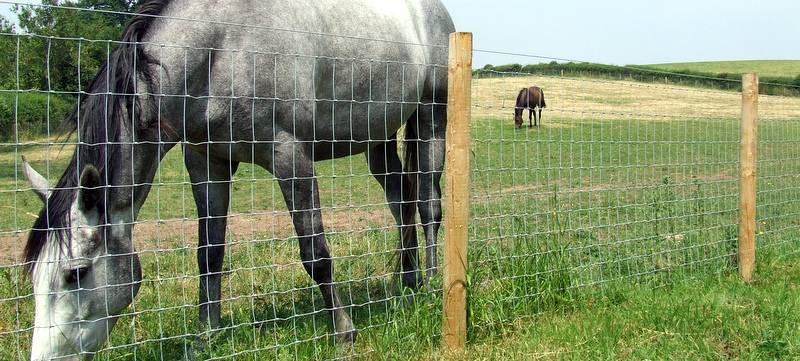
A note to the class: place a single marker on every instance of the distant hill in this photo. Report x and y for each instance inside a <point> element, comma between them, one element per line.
<point>777,77</point>
<point>764,68</point>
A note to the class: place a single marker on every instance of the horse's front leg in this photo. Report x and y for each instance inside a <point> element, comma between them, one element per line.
<point>211,181</point>
<point>294,170</point>
<point>540,118</point>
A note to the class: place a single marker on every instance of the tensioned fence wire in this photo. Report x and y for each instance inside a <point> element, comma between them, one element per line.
<point>778,225</point>
<point>270,306</point>
<point>624,182</point>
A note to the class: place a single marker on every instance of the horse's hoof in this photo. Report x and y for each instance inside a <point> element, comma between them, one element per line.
<point>196,346</point>
<point>346,337</point>
<point>412,280</point>
<point>431,273</point>
<point>408,300</point>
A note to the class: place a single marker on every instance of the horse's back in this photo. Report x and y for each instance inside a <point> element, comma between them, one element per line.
<point>325,70</point>
<point>531,97</point>
<point>538,94</point>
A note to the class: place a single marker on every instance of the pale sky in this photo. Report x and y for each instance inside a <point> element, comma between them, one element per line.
<point>632,31</point>
<point>626,31</point>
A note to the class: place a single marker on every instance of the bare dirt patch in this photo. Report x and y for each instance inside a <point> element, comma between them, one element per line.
<point>154,235</point>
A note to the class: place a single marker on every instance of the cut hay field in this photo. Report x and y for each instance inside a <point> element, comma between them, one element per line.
<point>608,233</point>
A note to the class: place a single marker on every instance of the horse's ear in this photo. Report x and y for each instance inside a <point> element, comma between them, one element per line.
<point>39,184</point>
<point>90,192</point>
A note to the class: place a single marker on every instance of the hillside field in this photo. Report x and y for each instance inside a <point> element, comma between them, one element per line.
<point>771,68</point>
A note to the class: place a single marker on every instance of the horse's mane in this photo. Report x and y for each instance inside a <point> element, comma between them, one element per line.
<point>98,120</point>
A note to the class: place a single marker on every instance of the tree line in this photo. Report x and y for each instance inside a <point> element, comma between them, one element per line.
<point>784,86</point>
<point>49,55</point>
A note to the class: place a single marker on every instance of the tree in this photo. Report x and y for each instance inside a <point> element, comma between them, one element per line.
<point>48,53</point>
<point>8,50</point>
<point>57,46</point>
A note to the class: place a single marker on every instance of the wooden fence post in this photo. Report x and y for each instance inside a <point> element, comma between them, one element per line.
<point>456,198</point>
<point>748,158</point>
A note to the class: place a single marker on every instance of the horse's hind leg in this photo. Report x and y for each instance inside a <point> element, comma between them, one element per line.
<point>540,117</point>
<point>294,170</point>
<point>211,188</point>
<point>385,165</point>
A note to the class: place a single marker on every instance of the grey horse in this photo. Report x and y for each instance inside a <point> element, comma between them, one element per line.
<point>262,82</point>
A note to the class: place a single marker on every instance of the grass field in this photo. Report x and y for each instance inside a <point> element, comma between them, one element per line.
<point>609,233</point>
<point>698,316</point>
<point>772,68</point>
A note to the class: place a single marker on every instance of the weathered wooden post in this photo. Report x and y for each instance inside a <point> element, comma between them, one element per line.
<point>456,198</point>
<point>748,158</point>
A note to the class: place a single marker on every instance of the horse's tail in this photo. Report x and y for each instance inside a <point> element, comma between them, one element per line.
<point>541,99</point>
<point>410,189</point>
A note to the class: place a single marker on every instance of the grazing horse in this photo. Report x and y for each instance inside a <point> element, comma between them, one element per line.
<point>261,82</point>
<point>530,99</point>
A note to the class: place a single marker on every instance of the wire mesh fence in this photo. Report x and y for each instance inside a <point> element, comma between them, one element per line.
<point>622,182</point>
<point>777,174</point>
<point>247,187</point>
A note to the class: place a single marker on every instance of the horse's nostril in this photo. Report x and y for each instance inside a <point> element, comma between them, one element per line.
<point>75,275</point>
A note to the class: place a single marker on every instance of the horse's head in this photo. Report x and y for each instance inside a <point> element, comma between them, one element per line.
<point>82,277</point>
<point>517,119</point>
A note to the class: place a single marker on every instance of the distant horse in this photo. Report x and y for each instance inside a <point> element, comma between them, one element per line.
<point>235,85</point>
<point>530,99</point>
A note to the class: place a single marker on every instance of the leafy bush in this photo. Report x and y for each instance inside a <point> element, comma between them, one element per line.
<point>509,68</point>
<point>31,115</point>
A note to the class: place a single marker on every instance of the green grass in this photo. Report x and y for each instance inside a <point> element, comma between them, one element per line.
<point>708,316</point>
<point>770,68</point>
<point>589,240</point>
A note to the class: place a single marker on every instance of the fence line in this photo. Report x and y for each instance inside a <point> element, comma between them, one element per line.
<point>697,227</point>
<point>615,187</point>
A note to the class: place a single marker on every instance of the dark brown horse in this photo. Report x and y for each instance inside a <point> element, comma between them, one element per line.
<point>530,99</point>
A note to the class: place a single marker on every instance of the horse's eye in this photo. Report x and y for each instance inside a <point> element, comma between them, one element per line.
<point>74,275</point>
